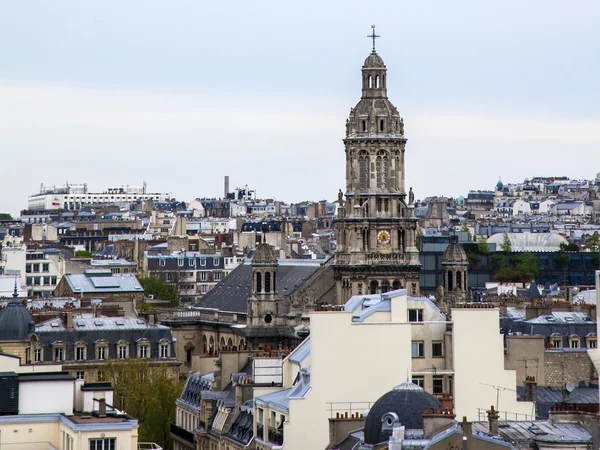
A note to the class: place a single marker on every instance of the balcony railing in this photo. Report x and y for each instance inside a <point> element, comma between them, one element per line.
<point>275,435</point>
<point>182,433</point>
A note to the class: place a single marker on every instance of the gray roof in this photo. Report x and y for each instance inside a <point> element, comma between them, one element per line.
<point>548,396</point>
<point>102,281</point>
<point>525,432</point>
<point>16,322</point>
<point>279,400</point>
<point>232,293</point>
<point>195,385</point>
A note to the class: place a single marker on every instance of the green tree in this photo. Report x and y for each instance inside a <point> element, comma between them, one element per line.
<point>568,247</point>
<point>5,216</point>
<point>82,254</point>
<point>506,246</point>
<point>482,244</point>
<point>497,260</point>
<point>159,289</point>
<point>506,274</point>
<point>473,258</point>
<point>563,260</point>
<point>528,267</point>
<point>465,227</point>
<point>592,243</point>
<point>148,394</point>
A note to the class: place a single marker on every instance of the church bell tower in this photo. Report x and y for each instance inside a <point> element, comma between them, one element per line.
<point>375,227</point>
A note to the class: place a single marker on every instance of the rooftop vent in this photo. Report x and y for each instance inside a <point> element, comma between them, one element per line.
<point>550,319</point>
<point>98,323</point>
<point>80,323</point>
<point>54,325</point>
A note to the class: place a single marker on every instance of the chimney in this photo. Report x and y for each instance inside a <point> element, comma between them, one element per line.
<point>565,394</point>
<point>467,429</point>
<point>102,407</point>
<point>69,320</point>
<point>493,420</point>
<point>217,376</point>
<point>530,389</point>
<point>226,186</point>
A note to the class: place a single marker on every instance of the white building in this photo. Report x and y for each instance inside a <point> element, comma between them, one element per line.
<point>76,196</point>
<point>355,355</point>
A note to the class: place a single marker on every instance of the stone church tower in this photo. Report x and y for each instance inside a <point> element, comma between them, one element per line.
<point>375,228</point>
<point>264,304</point>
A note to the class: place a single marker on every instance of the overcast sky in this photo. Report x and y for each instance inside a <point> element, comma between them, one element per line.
<point>181,93</point>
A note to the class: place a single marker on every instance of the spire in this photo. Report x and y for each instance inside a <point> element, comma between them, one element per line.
<point>373,36</point>
<point>15,292</point>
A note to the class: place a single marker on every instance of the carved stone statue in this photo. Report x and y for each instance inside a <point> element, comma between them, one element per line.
<point>411,196</point>
<point>341,198</point>
<point>401,126</point>
<point>347,127</point>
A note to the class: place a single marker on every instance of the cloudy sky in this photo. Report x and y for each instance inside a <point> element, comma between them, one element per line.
<point>181,93</point>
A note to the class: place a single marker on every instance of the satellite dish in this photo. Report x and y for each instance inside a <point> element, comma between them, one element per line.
<point>570,387</point>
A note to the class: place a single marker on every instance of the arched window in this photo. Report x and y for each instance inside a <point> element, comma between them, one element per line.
<point>363,125</point>
<point>229,344</point>
<point>459,280</point>
<point>268,282</point>
<point>381,125</point>
<point>258,282</point>
<point>450,286</point>
<point>373,287</point>
<point>376,81</point>
<point>385,286</point>
<point>211,345</point>
<point>370,82</point>
<point>222,344</point>
<point>204,345</point>
<point>363,169</point>
<point>381,164</point>
<point>274,278</point>
<point>396,285</point>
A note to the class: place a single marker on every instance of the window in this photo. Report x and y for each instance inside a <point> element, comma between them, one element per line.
<point>437,349</point>
<point>100,375</point>
<point>36,268</point>
<point>556,341</point>
<point>418,349</point>
<point>415,315</point>
<point>574,342</point>
<point>36,281</point>
<point>191,262</point>
<point>203,276</point>
<point>53,280</point>
<point>59,354</point>
<point>203,262</point>
<point>46,267</point>
<point>80,353</point>
<point>162,262</point>
<point>438,385</point>
<point>29,281</point>
<point>122,351</point>
<point>101,352</point>
<point>217,276</point>
<point>46,281</point>
<point>144,351</point>
<point>203,288</point>
<point>103,444</point>
<point>592,343</point>
<point>38,354</point>
<point>80,375</point>
<point>419,381</point>
<point>27,268</point>
<point>180,262</point>
<point>164,350</point>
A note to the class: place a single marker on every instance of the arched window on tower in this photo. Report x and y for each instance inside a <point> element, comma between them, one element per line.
<point>385,286</point>
<point>268,282</point>
<point>363,125</point>
<point>382,125</point>
<point>363,170</point>
<point>376,81</point>
<point>273,281</point>
<point>396,285</point>
<point>459,280</point>
<point>382,166</point>
<point>450,286</point>
<point>373,287</point>
<point>258,282</point>
<point>370,82</point>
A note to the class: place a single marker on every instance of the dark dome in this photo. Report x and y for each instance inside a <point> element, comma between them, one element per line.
<point>374,61</point>
<point>264,254</point>
<point>454,254</point>
<point>499,185</point>
<point>15,321</point>
<point>407,401</point>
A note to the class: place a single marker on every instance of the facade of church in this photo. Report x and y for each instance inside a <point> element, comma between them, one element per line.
<point>375,228</point>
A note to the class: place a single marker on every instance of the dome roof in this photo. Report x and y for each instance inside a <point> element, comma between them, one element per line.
<point>405,403</point>
<point>454,254</point>
<point>530,242</point>
<point>499,185</point>
<point>264,254</point>
<point>374,61</point>
<point>16,322</point>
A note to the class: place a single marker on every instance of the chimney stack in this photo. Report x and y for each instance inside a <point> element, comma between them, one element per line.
<point>530,389</point>
<point>102,407</point>
<point>493,420</point>
<point>226,186</point>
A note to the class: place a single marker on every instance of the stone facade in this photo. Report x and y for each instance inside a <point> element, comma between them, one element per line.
<point>375,228</point>
<point>569,366</point>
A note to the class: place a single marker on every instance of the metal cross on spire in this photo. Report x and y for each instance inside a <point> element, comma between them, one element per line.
<point>373,36</point>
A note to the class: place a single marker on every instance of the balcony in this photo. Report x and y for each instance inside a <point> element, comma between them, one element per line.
<point>275,435</point>
<point>182,433</point>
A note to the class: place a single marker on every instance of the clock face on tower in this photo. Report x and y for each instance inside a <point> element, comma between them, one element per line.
<point>383,237</point>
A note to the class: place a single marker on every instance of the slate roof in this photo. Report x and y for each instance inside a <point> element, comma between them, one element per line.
<point>103,281</point>
<point>110,329</point>
<point>189,261</point>
<point>195,385</point>
<point>231,294</point>
<point>242,428</point>
<point>522,433</point>
<point>548,396</point>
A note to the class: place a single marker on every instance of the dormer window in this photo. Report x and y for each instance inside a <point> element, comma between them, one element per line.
<point>574,341</point>
<point>556,340</point>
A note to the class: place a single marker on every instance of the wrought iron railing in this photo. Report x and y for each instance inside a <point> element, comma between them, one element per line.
<point>275,435</point>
